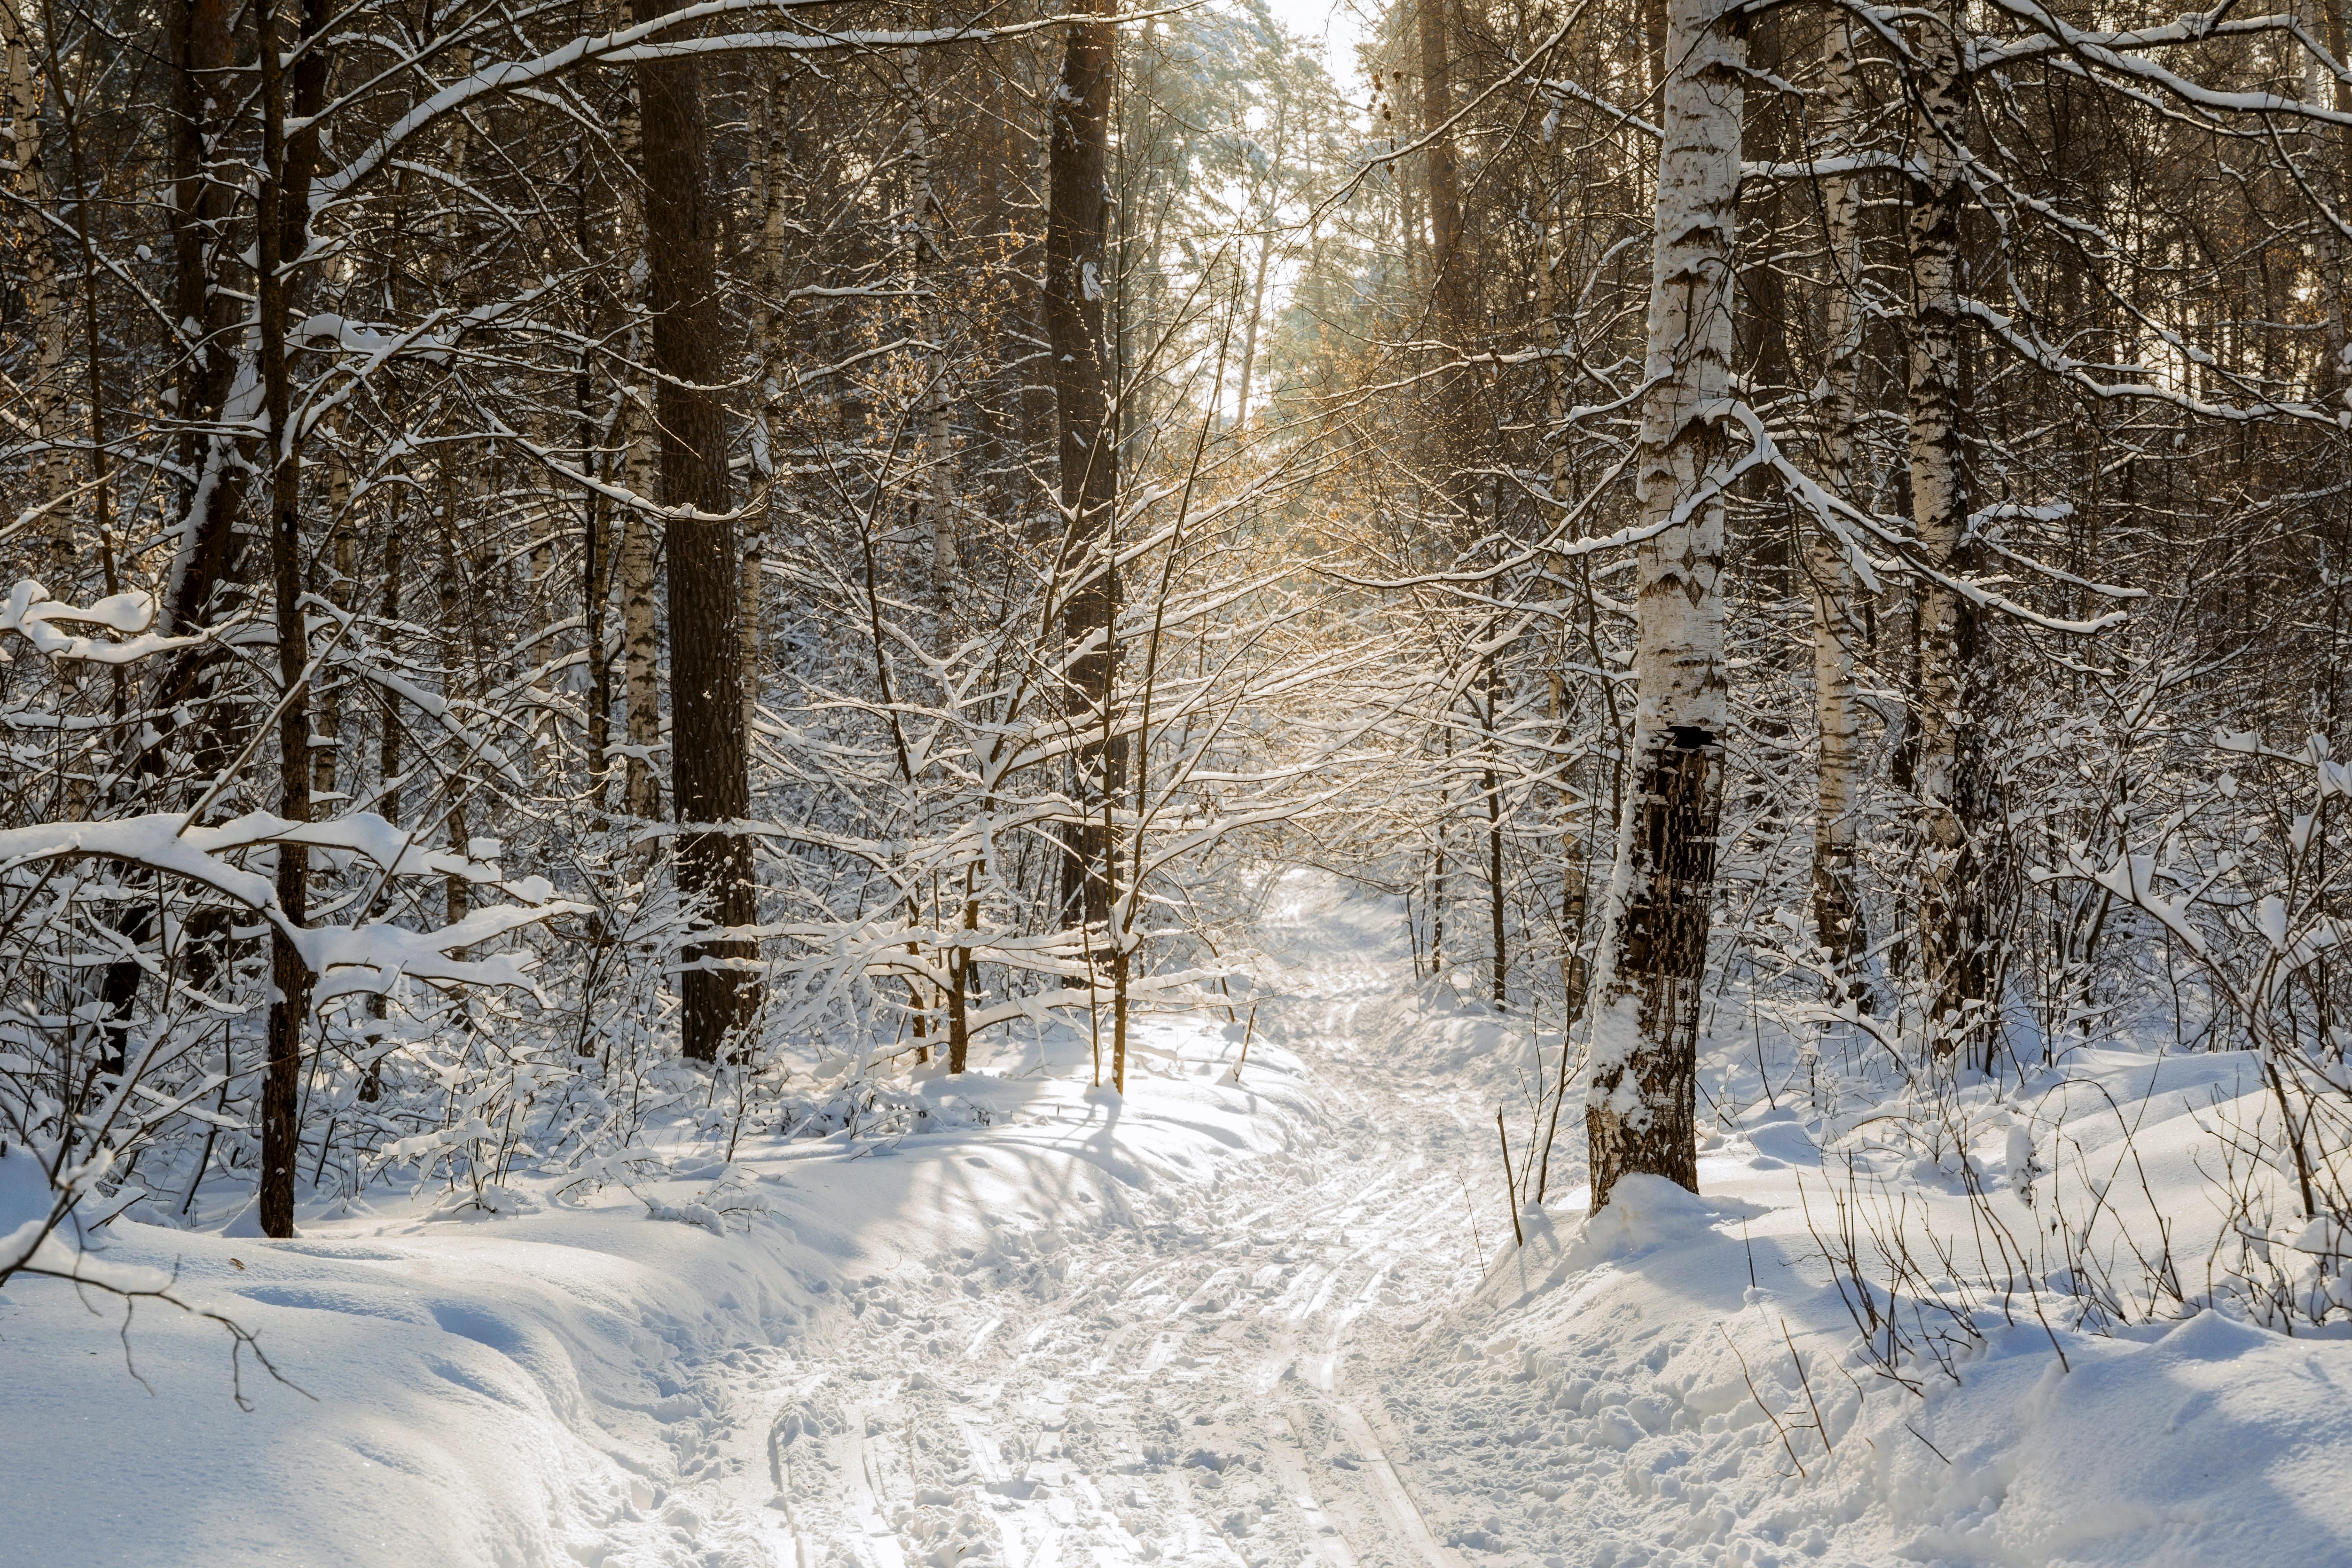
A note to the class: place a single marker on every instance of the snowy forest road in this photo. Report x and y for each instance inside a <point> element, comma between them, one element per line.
<point>1184,1392</point>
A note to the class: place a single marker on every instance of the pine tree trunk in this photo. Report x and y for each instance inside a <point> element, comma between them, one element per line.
<point>710,782</point>
<point>1076,218</point>
<point>1838,921</point>
<point>1641,1114</point>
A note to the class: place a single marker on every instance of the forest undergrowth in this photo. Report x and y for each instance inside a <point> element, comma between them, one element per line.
<point>595,588</point>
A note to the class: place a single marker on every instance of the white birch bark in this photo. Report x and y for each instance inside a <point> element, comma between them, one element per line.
<point>640,649</point>
<point>1837,913</point>
<point>640,652</point>
<point>1641,1108</point>
<point>1949,920</point>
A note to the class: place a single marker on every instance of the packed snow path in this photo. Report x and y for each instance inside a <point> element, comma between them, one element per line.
<point>1184,1391</point>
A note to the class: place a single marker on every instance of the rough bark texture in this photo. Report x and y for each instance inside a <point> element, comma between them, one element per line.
<point>640,543</point>
<point>1953,938</point>
<point>1078,210</point>
<point>1640,1114</point>
<point>283,221</point>
<point>640,634</point>
<point>1838,920</point>
<point>341,562</point>
<point>201,44</point>
<point>1449,281</point>
<point>709,780</point>
<point>2336,347</point>
<point>938,495</point>
<point>45,310</point>
<point>1575,878</point>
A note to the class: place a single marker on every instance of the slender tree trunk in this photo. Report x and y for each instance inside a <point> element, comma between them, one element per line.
<point>1491,785</point>
<point>1575,876</point>
<point>206,378</point>
<point>1838,921</point>
<point>1259,273</point>
<point>927,273</point>
<point>343,562</point>
<point>1449,281</point>
<point>282,219</point>
<point>2337,340</point>
<point>462,673</point>
<point>1951,915</point>
<point>1076,219</point>
<point>596,552</point>
<point>388,757</point>
<point>640,639</point>
<point>710,782</point>
<point>640,636</point>
<point>1641,1115</point>
<point>45,310</point>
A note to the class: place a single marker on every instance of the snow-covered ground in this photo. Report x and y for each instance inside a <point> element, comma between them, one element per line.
<point>1275,1322</point>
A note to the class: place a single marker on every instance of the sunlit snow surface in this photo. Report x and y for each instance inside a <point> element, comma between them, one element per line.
<point>1277,1322</point>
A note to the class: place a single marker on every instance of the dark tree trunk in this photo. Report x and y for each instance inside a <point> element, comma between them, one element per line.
<point>283,222</point>
<point>709,777</point>
<point>1449,304</point>
<point>1076,219</point>
<point>197,35</point>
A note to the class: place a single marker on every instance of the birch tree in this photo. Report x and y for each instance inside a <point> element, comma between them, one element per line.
<point>1641,1108</point>
<point>1954,940</point>
<point>1839,924</point>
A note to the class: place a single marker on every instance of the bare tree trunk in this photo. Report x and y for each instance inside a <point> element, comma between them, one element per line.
<point>926,255</point>
<point>461,675</point>
<point>343,561</point>
<point>2337,338</point>
<point>640,643</point>
<point>640,637</point>
<point>1641,1115</point>
<point>596,542</point>
<point>1951,913</point>
<point>207,373</point>
<point>1838,921</point>
<point>1265,263</point>
<point>710,781</point>
<point>1076,219</point>
<point>388,758</point>
<point>1575,876</point>
<point>1490,784</point>
<point>282,219</point>
<point>52,473</point>
<point>1449,302</point>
